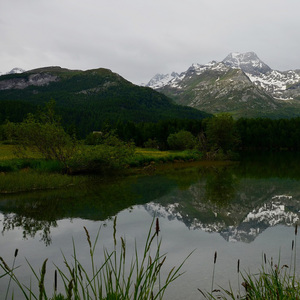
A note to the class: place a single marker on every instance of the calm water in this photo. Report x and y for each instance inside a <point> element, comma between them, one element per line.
<point>241,211</point>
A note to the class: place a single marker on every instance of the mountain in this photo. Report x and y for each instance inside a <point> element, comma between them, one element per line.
<point>281,85</point>
<point>86,99</point>
<point>248,62</point>
<point>241,84</point>
<point>14,71</point>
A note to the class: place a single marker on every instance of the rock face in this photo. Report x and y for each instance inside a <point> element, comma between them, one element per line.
<point>241,84</point>
<point>281,85</point>
<point>248,62</point>
<point>39,79</point>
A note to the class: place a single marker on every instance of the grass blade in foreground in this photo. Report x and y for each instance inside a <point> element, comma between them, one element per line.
<point>114,278</point>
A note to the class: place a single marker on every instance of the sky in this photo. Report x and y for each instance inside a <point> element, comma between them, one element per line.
<point>138,39</point>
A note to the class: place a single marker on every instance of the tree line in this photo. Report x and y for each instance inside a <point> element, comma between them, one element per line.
<point>216,137</point>
<point>221,130</point>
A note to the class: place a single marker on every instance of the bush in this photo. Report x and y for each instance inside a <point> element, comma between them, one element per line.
<point>152,144</point>
<point>181,140</point>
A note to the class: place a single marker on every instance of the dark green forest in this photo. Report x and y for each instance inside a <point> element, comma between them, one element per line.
<point>87,100</point>
<point>252,134</point>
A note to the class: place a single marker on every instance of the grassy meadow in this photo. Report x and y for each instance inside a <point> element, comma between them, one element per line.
<point>144,157</point>
<point>22,171</point>
<point>30,172</point>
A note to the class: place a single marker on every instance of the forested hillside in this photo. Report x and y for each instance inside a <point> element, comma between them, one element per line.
<point>86,99</point>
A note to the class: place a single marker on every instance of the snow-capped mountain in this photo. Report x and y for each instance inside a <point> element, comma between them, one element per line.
<point>16,71</point>
<point>248,62</point>
<point>276,83</point>
<point>159,80</point>
<point>241,84</point>
<point>13,71</point>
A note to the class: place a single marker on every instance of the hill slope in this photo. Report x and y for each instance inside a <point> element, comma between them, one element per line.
<point>86,99</point>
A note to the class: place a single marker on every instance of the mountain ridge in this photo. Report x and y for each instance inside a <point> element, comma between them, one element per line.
<point>255,90</point>
<point>86,99</point>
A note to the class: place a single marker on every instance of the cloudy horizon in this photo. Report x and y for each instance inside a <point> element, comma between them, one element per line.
<point>138,39</point>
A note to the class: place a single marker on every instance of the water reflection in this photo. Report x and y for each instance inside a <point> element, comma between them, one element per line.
<point>221,186</point>
<point>30,226</point>
<point>238,201</point>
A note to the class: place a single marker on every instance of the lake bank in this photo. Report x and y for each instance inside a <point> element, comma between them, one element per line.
<point>34,173</point>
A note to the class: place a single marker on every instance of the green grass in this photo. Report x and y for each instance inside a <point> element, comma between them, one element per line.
<point>8,152</point>
<point>143,157</point>
<point>34,173</point>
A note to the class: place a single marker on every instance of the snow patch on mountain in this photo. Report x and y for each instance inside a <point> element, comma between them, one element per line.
<point>276,82</point>
<point>280,85</point>
<point>174,79</point>
<point>160,80</point>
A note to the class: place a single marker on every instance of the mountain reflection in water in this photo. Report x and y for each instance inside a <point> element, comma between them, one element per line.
<point>238,201</point>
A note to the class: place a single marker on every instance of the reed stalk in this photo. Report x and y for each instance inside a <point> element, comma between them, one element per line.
<point>272,281</point>
<point>295,253</point>
<point>114,278</point>
<point>213,275</point>
<point>12,268</point>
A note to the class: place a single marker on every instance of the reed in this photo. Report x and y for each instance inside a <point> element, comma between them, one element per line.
<point>213,276</point>
<point>114,278</point>
<point>272,281</point>
<point>8,269</point>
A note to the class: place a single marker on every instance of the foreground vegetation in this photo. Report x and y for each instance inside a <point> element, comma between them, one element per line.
<point>114,278</point>
<point>141,277</point>
<point>273,281</point>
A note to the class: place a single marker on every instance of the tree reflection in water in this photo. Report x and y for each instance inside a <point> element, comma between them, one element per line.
<point>30,226</point>
<point>221,186</point>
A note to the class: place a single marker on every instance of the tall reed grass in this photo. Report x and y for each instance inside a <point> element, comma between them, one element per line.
<point>272,281</point>
<point>115,278</point>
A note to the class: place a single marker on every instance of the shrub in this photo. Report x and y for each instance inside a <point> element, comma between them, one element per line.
<point>181,140</point>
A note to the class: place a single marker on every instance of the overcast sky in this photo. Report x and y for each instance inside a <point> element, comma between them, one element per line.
<point>138,38</point>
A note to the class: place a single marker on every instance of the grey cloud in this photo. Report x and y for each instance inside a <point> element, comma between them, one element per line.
<point>139,38</point>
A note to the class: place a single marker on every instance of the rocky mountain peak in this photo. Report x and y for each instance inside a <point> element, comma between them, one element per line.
<point>13,71</point>
<point>160,80</point>
<point>248,62</point>
<point>16,71</point>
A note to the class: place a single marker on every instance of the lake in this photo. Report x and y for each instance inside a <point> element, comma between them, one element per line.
<point>241,210</point>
